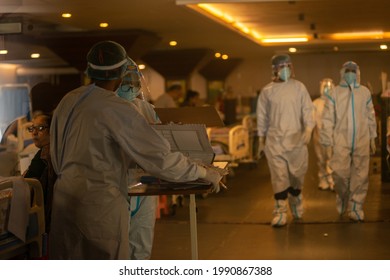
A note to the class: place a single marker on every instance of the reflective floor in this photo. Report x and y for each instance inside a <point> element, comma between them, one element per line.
<point>235,224</point>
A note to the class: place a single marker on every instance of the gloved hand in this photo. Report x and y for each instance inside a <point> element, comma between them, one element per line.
<point>261,146</point>
<point>213,176</point>
<point>329,152</point>
<point>306,136</point>
<point>372,146</point>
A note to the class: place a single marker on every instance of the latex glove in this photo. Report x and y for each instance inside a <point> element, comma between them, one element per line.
<point>306,136</point>
<point>261,146</point>
<point>329,152</point>
<point>372,146</point>
<point>213,176</point>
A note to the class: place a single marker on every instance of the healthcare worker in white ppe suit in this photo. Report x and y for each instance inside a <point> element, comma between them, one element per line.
<point>95,136</point>
<point>142,208</point>
<point>285,123</point>
<point>349,132</point>
<point>325,180</point>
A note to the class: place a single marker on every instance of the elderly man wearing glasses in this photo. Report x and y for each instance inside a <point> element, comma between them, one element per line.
<point>41,167</point>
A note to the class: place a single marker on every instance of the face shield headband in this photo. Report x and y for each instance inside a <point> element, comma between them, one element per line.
<point>108,67</point>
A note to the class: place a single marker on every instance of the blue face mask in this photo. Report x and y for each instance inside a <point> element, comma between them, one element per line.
<point>128,95</point>
<point>350,78</point>
<point>284,74</point>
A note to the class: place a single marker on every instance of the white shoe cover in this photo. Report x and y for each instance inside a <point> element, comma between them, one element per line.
<point>296,205</point>
<point>341,204</point>
<point>280,213</point>
<point>355,211</point>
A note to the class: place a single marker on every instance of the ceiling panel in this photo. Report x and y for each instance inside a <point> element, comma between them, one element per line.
<point>193,30</point>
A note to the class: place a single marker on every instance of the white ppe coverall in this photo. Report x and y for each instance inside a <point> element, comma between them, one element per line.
<point>94,137</point>
<point>284,111</point>
<point>324,170</point>
<point>143,208</point>
<point>348,125</point>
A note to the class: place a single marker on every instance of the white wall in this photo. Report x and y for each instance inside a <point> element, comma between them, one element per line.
<point>7,73</point>
<point>311,69</point>
<point>198,83</point>
<point>155,82</point>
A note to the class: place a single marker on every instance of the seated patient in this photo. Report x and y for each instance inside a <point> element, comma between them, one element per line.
<point>41,167</point>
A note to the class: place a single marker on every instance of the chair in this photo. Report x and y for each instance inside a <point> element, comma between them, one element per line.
<point>24,136</point>
<point>12,247</point>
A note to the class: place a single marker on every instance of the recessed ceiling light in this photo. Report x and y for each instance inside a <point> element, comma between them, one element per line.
<point>292,50</point>
<point>103,24</point>
<point>172,43</point>
<point>35,55</point>
<point>141,66</point>
<point>225,56</point>
<point>217,55</point>
<point>3,51</point>
<point>383,47</point>
<point>66,15</point>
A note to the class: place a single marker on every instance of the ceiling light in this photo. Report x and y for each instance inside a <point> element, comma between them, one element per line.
<point>285,40</point>
<point>103,24</point>
<point>211,10</point>
<point>3,51</point>
<point>383,47</point>
<point>227,19</point>
<point>217,55</point>
<point>35,55</point>
<point>225,56</point>
<point>292,50</point>
<point>336,48</point>
<point>256,35</point>
<point>172,43</point>
<point>141,66</point>
<point>373,35</point>
<point>241,27</point>
<point>66,15</point>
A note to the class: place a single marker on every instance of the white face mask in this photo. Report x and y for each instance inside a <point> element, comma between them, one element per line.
<point>284,74</point>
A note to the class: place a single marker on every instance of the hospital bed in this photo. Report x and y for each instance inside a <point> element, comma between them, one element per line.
<point>234,143</point>
<point>30,243</point>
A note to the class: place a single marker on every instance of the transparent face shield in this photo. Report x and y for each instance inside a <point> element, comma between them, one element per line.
<point>326,87</point>
<point>133,84</point>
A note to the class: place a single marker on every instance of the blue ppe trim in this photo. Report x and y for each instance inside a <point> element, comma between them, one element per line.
<point>353,120</point>
<point>356,212</point>
<point>369,100</point>
<point>137,206</point>
<point>330,98</point>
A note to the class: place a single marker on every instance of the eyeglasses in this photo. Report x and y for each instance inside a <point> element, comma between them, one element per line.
<point>38,128</point>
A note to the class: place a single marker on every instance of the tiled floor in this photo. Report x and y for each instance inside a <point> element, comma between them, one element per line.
<point>234,224</point>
